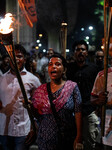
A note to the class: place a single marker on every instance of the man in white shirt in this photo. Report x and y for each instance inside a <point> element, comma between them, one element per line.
<point>14,119</point>
<point>98,97</point>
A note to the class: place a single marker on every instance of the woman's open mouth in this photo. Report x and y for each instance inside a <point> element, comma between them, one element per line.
<point>53,72</point>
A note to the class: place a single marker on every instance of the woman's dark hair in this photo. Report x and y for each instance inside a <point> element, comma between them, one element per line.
<point>61,57</point>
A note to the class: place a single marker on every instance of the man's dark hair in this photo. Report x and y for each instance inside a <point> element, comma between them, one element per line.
<point>81,42</point>
<point>5,56</point>
<point>20,48</point>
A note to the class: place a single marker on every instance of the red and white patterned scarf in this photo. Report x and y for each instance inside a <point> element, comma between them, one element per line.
<point>41,101</point>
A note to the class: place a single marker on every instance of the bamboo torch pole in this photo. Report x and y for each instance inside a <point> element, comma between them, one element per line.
<point>18,25</point>
<point>4,38</point>
<point>63,39</point>
<point>107,33</point>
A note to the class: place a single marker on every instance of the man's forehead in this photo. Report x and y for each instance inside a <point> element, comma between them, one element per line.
<point>50,51</point>
<point>18,51</point>
<point>81,45</point>
<point>100,53</point>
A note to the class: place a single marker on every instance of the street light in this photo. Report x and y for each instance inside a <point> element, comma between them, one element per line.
<point>37,47</point>
<point>87,37</point>
<point>82,29</point>
<point>40,45</point>
<point>44,50</point>
<point>40,35</point>
<point>38,41</point>
<point>90,27</point>
<point>67,50</point>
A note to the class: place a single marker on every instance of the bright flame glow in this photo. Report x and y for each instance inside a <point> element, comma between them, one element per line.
<point>102,47</point>
<point>5,24</point>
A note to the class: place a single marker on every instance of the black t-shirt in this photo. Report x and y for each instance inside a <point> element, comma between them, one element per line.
<point>84,76</point>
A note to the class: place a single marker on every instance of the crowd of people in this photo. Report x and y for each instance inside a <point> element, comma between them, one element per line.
<point>64,95</point>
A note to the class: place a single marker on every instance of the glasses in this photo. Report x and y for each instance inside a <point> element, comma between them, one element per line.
<point>78,49</point>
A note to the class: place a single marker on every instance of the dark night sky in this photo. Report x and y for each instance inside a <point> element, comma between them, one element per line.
<point>85,16</point>
<point>2,7</point>
<point>86,12</point>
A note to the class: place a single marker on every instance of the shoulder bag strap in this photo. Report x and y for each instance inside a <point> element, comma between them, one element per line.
<point>51,98</point>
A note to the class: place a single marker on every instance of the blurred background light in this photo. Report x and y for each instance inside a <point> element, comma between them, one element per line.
<point>90,27</point>
<point>87,37</point>
<point>82,29</point>
<point>44,50</point>
<point>38,41</point>
<point>40,45</point>
<point>67,50</point>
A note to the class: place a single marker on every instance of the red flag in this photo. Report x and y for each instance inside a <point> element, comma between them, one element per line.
<point>21,5</point>
<point>31,9</point>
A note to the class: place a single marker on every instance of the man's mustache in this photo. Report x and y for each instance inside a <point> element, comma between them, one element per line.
<point>80,54</point>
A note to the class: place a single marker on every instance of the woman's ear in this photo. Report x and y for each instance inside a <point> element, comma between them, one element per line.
<point>64,74</point>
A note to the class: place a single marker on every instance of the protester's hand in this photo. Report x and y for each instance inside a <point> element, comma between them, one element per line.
<point>7,110</point>
<point>78,144</point>
<point>109,103</point>
<point>102,98</point>
<point>25,105</point>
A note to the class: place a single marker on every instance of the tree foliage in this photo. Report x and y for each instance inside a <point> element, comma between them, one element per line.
<point>99,10</point>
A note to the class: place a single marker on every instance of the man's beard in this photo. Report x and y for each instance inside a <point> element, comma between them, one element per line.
<point>81,58</point>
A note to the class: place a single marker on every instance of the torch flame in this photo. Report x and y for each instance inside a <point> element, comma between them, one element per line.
<point>5,24</point>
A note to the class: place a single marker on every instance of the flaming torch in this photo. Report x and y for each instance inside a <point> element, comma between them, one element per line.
<point>6,39</point>
<point>107,35</point>
<point>6,33</point>
<point>63,38</point>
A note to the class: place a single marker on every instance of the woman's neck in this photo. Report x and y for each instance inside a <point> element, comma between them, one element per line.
<point>56,85</point>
